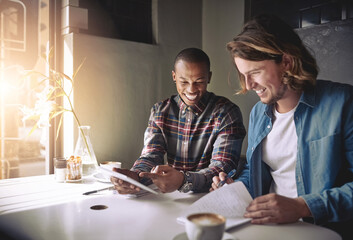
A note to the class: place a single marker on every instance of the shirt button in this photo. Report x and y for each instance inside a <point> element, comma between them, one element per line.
<point>268,126</point>
<point>252,148</point>
<point>183,112</point>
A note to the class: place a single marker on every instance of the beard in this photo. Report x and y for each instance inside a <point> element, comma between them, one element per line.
<point>279,95</point>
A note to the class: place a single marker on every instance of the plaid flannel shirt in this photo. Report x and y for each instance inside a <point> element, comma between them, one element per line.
<point>203,139</point>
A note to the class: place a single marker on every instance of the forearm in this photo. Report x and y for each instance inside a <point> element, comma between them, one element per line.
<point>225,158</point>
<point>303,208</point>
<point>154,148</point>
<point>332,205</point>
<point>145,165</point>
<point>200,182</point>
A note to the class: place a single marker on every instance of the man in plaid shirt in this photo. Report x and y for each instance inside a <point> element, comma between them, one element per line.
<point>200,133</point>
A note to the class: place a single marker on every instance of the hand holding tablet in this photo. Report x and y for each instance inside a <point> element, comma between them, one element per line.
<point>108,171</point>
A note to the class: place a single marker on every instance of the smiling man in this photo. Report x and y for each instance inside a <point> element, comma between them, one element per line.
<point>200,133</point>
<point>300,148</point>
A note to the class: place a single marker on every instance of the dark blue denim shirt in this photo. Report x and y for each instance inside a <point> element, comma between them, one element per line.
<point>324,168</point>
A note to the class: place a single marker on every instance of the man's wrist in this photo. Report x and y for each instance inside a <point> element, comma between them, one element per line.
<point>305,211</point>
<point>183,182</point>
<point>186,186</point>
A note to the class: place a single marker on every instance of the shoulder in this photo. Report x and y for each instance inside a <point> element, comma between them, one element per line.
<point>222,104</point>
<point>325,87</point>
<point>332,91</point>
<point>224,110</point>
<point>164,105</point>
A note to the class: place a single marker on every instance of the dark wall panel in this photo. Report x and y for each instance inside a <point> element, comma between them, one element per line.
<point>332,45</point>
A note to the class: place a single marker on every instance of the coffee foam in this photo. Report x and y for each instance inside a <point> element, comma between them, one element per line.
<point>207,220</point>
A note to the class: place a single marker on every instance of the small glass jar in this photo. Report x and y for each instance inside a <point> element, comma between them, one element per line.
<point>60,169</point>
<point>74,169</point>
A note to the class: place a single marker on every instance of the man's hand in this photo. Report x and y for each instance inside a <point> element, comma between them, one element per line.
<point>273,208</point>
<point>166,178</point>
<point>124,187</point>
<point>216,179</point>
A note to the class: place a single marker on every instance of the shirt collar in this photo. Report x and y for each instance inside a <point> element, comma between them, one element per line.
<point>197,108</point>
<point>269,110</point>
<point>307,98</point>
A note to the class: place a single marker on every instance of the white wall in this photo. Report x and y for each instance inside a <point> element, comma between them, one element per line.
<point>121,80</point>
<point>221,22</point>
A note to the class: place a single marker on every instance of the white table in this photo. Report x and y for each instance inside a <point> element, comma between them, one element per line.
<point>39,208</point>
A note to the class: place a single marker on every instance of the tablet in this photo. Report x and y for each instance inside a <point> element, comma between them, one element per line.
<point>107,170</point>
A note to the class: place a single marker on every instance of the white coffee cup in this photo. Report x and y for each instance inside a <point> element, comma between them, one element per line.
<point>205,226</point>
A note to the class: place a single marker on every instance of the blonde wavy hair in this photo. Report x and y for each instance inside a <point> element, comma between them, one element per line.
<point>266,37</point>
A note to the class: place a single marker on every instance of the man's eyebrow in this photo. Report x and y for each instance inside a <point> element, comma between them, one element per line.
<point>197,79</point>
<point>255,69</point>
<point>201,79</point>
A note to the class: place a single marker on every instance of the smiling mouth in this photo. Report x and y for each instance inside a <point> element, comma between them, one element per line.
<point>260,90</point>
<point>190,97</point>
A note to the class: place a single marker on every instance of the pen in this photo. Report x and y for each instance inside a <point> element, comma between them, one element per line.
<point>99,190</point>
<point>229,175</point>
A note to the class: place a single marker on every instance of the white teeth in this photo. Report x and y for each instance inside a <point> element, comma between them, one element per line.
<point>260,91</point>
<point>191,97</point>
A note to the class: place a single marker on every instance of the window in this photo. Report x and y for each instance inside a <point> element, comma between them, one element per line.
<point>122,19</point>
<point>301,13</point>
<point>24,36</point>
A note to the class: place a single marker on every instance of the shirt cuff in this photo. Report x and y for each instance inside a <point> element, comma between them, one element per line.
<point>317,207</point>
<point>199,182</point>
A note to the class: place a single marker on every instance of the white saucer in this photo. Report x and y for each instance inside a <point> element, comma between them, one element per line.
<point>183,236</point>
<point>100,177</point>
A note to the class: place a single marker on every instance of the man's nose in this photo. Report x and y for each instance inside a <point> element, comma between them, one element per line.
<point>192,88</point>
<point>249,83</point>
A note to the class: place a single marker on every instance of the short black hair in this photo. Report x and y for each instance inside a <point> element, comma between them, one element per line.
<point>193,55</point>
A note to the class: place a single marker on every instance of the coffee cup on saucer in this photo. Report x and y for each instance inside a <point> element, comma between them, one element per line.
<point>205,226</point>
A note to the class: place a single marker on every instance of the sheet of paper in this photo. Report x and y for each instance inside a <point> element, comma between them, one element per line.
<point>230,201</point>
<point>107,170</point>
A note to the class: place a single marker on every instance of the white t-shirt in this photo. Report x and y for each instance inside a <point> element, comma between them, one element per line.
<point>280,154</point>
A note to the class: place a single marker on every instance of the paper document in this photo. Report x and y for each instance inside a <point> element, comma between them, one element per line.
<point>230,201</point>
<point>107,171</point>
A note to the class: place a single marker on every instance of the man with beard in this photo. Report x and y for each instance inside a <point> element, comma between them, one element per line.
<point>300,136</point>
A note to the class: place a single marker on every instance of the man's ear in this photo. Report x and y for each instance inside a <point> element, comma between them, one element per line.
<point>287,62</point>
<point>174,76</point>
<point>210,76</point>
